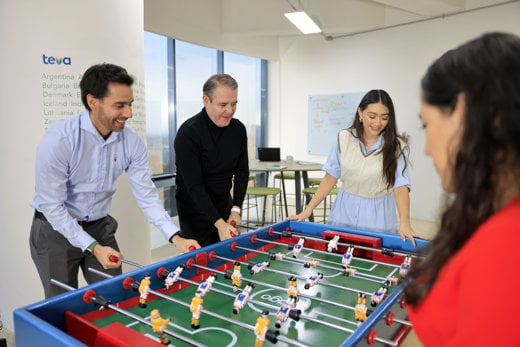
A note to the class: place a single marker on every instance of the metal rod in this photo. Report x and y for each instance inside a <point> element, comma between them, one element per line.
<point>216,315</point>
<point>344,244</point>
<point>131,315</point>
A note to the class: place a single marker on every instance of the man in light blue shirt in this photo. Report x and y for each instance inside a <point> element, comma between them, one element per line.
<point>77,164</point>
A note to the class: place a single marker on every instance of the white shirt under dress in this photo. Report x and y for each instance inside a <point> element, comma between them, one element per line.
<point>363,201</point>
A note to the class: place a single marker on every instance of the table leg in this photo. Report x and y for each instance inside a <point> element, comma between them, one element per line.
<point>298,191</point>
<point>284,196</point>
<point>307,196</point>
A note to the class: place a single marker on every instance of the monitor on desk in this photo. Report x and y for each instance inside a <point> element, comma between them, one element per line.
<point>269,153</point>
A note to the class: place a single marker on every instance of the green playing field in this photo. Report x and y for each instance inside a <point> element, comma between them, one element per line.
<point>327,308</point>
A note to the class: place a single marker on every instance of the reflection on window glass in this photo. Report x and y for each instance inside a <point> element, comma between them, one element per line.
<point>247,70</point>
<point>156,94</point>
<point>194,65</point>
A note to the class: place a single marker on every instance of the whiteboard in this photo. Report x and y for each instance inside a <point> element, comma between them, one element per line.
<point>328,114</point>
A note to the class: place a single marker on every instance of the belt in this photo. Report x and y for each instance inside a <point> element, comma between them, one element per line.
<point>39,215</point>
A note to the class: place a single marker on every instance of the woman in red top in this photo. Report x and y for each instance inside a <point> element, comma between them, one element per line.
<point>465,292</point>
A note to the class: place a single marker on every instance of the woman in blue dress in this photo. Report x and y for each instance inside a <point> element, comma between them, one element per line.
<point>370,160</point>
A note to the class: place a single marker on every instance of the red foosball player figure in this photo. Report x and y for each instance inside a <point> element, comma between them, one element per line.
<point>293,288</point>
<point>405,266</point>
<point>298,247</point>
<point>173,277</point>
<point>196,308</point>
<point>241,298</point>
<point>311,263</point>
<point>360,310</point>
<point>158,326</point>
<point>313,280</point>
<point>205,286</point>
<point>144,289</point>
<point>333,244</point>
<point>347,257</point>
<point>378,296</point>
<point>261,327</point>
<point>256,268</point>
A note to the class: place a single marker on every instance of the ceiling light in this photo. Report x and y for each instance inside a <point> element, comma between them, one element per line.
<point>303,22</point>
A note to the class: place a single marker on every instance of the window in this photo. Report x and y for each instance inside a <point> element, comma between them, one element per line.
<point>247,71</point>
<point>194,64</point>
<point>174,74</point>
<point>156,101</point>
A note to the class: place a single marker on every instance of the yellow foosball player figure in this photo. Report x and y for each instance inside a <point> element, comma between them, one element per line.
<point>262,331</point>
<point>144,289</point>
<point>311,263</point>
<point>360,310</point>
<point>158,326</point>
<point>236,277</point>
<point>261,327</point>
<point>196,308</point>
<point>293,288</point>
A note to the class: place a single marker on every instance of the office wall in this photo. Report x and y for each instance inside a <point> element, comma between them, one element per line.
<point>394,60</point>
<point>299,66</point>
<point>89,32</point>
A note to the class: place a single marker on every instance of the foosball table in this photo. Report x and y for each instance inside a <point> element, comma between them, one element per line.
<point>288,284</point>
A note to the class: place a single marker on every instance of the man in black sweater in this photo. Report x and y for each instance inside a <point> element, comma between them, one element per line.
<point>211,158</point>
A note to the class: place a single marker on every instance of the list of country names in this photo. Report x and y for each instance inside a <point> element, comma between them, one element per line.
<point>61,98</point>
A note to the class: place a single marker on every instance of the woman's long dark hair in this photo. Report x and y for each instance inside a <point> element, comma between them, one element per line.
<point>391,147</point>
<point>486,71</point>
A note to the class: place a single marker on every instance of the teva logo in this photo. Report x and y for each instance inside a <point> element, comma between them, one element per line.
<point>48,60</point>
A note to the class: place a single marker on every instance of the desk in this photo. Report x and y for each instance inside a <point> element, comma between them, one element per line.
<point>299,168</point>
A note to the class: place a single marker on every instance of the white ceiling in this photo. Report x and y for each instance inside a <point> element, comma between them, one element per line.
<point>337,18</point>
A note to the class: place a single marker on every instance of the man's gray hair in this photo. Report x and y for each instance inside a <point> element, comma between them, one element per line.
<point>218,80</point>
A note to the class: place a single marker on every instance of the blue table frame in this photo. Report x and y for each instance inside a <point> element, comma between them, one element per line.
<point>43,323</point>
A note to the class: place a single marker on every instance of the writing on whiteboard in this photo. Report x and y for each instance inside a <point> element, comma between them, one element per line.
<point>328,114</point>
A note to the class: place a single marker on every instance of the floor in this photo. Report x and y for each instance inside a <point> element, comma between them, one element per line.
<point>8,335</point>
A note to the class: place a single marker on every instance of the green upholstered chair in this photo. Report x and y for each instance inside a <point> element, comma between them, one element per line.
<point>314,181</point>
<point>287,176</point>
<point>327,202</point>
<point>265,193</point>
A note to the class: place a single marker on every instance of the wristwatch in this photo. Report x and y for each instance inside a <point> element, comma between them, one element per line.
<point>91,247</point>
